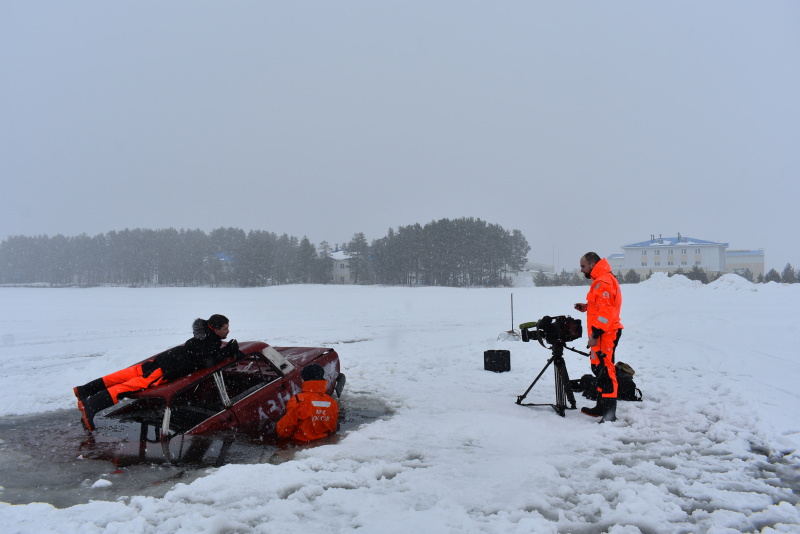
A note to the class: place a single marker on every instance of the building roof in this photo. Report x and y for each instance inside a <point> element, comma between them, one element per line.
<point>339,255</point>
<point>673,242</point>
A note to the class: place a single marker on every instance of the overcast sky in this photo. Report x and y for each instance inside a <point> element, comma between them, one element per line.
<point>585,125</point>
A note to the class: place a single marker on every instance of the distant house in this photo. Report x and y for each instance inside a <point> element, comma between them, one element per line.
<point>740,261</point>
<point>341,267</point>
<point>668,254</point>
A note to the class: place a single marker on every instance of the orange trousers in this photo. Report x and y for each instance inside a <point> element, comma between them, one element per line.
<point>602,360</point>
<point>130,379</point>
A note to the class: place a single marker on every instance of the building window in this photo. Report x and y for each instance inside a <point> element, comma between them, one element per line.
<point>683,251</point>
<point>697,251</point>
<point>684,263</point>
<point>670,252</point>
<point>644,253</point>
<point>658,253</point>
<point>658,264</point>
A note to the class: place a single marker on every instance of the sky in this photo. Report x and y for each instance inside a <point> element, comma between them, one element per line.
<point>586,126</point>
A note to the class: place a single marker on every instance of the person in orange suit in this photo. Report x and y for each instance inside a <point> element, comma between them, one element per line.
<point>602,307</point>
<point>312,414</point>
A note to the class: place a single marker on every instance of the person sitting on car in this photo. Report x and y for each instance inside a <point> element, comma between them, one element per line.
<point>203,350</point>
<point>312,414</point>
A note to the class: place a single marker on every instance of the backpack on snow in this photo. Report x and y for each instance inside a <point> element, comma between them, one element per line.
<point>626,387</point>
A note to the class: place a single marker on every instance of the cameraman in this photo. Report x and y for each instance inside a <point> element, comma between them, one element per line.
<point>602,307</point>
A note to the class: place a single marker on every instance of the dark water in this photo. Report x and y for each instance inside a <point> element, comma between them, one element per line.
<point>50,457</point>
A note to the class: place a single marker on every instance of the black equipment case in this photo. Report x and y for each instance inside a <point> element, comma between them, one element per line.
<point>498,361</point>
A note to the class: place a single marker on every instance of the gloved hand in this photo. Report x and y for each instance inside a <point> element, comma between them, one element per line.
<point>232,347</point>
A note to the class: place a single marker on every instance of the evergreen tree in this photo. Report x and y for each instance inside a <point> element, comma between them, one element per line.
<point>772,276</point>
<point>358,248</point>
<point>788,276</point>
<point>697,274</point>
<point>323,265</point>
<point>632,277</point>
<point>540,279</point>
<point>305,262</point>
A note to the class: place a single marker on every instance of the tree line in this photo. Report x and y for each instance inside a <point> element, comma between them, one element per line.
<point>788,276</point>
<point>460,252</point>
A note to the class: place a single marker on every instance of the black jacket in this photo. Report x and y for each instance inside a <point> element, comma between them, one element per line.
<point>201,351</point>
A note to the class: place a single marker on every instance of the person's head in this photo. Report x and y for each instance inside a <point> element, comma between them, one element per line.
<point>219,324</point>
<point>313,371</point>
<point>588,261</point>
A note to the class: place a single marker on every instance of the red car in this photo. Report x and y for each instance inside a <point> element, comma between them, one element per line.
<point>246,395</point>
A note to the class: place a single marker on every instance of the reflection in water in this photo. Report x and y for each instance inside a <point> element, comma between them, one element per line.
<point>51,458</point>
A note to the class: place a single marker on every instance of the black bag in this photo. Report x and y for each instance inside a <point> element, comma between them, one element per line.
<point>498,361</point>
<point>626,387</point>
<point>587,384</point>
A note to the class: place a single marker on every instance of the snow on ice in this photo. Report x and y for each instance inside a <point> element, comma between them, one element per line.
<point>712,448</point>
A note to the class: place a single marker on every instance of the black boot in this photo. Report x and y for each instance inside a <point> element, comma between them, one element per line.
<point>597,411</point>
<point>89,389</point>
<point>89,407</point>
<point>609,410</point>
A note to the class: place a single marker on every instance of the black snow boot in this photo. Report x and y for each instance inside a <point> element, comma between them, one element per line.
<point>87,390</point>
<point>597,411</point>
<point>609,410</point>
<point>91,406</point>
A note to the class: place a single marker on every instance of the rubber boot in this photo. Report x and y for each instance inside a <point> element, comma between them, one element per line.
<point>597,411</point>
<point>90,406</point>
<point>87,390</point>
<point>609,410</point>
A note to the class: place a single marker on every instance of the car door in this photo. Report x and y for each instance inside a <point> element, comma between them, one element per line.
<point>258,391</point>
<point>201,408</point>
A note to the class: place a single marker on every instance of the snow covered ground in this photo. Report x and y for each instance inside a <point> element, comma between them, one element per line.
<point>713,447</point>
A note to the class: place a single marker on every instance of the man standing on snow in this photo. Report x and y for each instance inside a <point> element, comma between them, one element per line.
<point>312,414</point>
<point>603,326</point>
<point>203,350</point>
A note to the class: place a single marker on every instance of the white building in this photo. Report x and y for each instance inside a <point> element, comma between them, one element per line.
<point>740,261</point>
<point>341,267</point>
<point>668,254</point>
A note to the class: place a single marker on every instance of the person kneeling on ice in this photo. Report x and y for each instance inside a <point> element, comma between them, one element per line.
<point>311,414</point>
<point>203,350</point>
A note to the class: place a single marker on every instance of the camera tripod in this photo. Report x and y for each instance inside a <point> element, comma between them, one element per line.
<point>563,391</point>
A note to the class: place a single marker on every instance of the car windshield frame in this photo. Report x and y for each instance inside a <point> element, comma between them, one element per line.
<point>222,389</point>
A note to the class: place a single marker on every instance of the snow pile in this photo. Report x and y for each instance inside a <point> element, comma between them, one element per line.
<point>664,281</point>
<point>732,282</point>
<point>713,447</point>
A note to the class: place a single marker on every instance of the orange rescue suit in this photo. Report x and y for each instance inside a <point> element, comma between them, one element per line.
<point>310,415</point>
<point>603,305</point>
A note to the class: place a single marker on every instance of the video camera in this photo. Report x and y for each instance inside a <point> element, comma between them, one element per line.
<point>553,330</point>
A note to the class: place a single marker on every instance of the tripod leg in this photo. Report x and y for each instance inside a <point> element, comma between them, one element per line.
<point>561,403</point>
<point>570,396</point>
<point>520,398</point>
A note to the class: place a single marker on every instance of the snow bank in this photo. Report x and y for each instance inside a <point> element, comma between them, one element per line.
<point>712,448</point>
<point>664,281</point>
